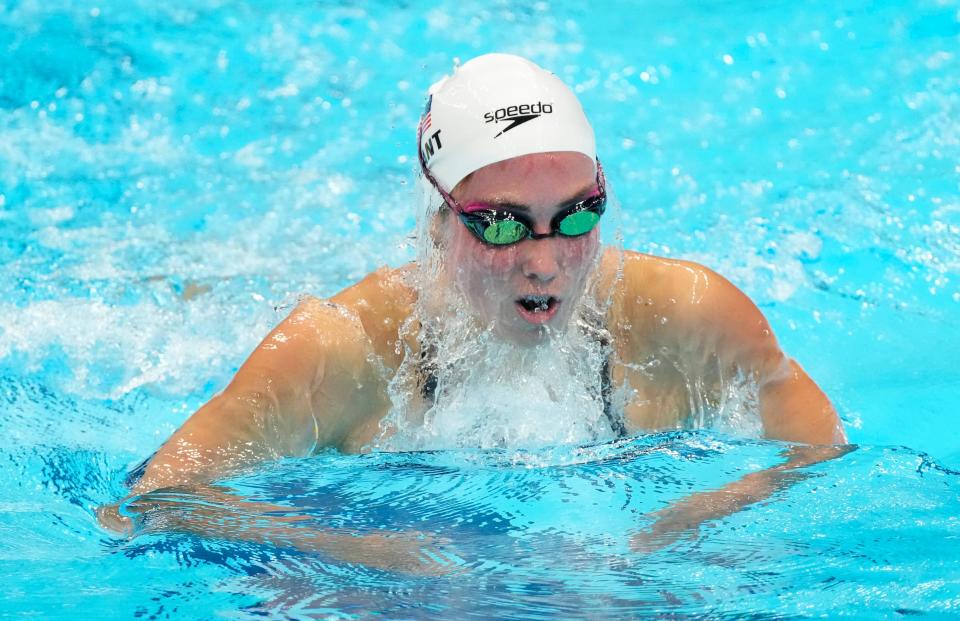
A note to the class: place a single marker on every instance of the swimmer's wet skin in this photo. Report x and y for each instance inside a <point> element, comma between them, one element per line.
<point>526,270</point>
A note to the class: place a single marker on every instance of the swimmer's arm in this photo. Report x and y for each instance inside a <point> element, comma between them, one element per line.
<point>300,390</point>
<point>685,517</point>
<point>213,511</point>
<point>793,408</point>
<point>708,316</point>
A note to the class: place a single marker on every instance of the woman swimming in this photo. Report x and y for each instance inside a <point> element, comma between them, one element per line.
<point>515,288</point>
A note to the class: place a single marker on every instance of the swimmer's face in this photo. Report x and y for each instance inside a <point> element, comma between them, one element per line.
<point>523,288</point>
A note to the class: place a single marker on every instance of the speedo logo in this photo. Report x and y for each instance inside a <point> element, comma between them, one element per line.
<point>517,115</point>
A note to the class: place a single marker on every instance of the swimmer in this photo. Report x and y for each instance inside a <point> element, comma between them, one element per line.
<point>511,257</point>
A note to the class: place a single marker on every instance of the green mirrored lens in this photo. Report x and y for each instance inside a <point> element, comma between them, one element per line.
<point>503,232</point>
<point>579,222</point>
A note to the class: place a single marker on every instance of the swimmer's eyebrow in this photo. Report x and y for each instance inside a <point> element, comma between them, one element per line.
<point>586,192</point>
<point>505,206</point>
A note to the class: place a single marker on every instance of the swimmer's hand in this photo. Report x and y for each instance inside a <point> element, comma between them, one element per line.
<point>683,519</point>
<point>110,519</point>
<point>211,512</point>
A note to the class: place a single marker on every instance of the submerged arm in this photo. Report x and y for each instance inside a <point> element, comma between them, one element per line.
<point>213,511</point>
<point>684,517</point>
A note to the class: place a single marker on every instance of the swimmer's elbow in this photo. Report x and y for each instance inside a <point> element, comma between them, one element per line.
<point>795,409</point>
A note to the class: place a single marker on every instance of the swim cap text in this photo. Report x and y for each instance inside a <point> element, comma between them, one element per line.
<point>512,112</point>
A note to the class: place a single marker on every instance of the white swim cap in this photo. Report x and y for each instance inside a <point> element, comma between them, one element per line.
<point>496,107</point>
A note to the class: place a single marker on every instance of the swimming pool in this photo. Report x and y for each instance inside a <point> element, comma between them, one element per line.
<point>172,178</point>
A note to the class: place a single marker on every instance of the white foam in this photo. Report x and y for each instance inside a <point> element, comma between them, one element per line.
<point>492,394</point>
<point>112,349</point>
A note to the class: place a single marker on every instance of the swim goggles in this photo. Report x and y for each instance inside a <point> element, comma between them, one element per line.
<point>498,227</point>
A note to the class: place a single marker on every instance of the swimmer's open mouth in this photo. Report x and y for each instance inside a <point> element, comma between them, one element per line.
<point>537,303</point>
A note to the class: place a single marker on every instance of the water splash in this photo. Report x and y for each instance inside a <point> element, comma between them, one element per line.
<point>463,385</point>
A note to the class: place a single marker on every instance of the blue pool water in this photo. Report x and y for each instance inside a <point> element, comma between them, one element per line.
<point>173,177</point>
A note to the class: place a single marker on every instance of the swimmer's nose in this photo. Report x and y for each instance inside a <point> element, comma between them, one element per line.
<point>539,259</point>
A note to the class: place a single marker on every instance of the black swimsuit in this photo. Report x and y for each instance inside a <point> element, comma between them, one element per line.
<point>606,389</point>
<point>428,389</point>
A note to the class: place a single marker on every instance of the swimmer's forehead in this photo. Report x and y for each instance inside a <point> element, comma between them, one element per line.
<point>507,203</point>
<point>555,178</point>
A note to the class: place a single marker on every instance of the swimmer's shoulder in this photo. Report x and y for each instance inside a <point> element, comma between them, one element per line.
<point>385,290</point>
<point>378,306</point>
<point>639,281</point>
<point>661,282</point>
<point>674,299</point>
<point>631,271</point>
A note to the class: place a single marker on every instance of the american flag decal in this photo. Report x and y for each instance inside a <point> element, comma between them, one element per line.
<point>429,143</point>
<point>425,119</point>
